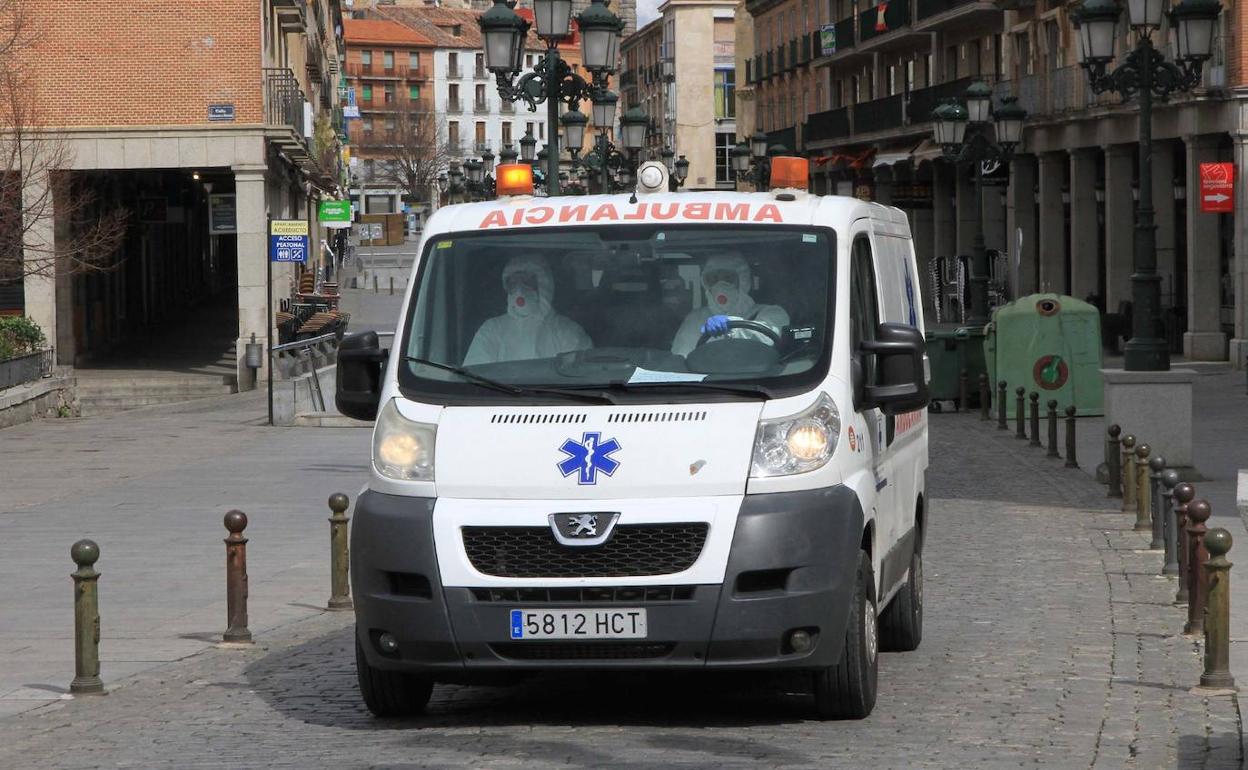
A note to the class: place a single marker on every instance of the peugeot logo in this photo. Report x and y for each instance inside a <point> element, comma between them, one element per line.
<point>581,529</point>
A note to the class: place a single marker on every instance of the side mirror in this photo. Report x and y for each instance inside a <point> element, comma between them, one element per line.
<point>360,363</point>
<point>901,372</point>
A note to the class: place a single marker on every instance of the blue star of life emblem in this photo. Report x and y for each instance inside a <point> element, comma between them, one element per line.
<point>589,456</point>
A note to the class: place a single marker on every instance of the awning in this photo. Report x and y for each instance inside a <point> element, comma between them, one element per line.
<point>926,149</point>
<point>889,158</point>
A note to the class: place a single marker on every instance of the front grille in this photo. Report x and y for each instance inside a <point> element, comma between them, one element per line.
<point>582,650</point>
<point>596,595</point>
<point>533,552</point>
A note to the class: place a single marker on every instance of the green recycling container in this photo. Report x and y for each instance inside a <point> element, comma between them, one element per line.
<point>950,349</point>
<point>1049,344</point>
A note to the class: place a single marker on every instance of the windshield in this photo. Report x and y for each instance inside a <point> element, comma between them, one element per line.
<point>620,312</point>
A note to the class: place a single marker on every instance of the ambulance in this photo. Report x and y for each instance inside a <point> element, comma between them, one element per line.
<point>644,431</point>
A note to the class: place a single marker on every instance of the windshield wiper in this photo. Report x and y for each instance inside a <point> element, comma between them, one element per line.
<point>514,390</point>
<point>757,391</point>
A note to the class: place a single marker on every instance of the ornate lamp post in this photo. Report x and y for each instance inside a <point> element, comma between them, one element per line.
<point>966,135</point>
<point>552,80</point>
<point>751,160</point>
<point>1145,75</point>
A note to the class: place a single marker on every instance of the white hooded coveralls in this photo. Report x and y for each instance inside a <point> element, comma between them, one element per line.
<point>530,328</point>
<point>732,301</point>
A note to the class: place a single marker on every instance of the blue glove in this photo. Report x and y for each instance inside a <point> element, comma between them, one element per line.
<point>716,325</point>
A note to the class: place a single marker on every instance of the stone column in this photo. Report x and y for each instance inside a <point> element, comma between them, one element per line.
<point>965,207</point>
<point>1052,222</point>
<point>1021,215</point>
<point>1163,216</point>
<point>39,284</point>
<point>1239,269</point>
<point>1084,229</point>
<point>1119,225</point>
<point>253,257</point>
<point>944,226</point>
<point>1204,340</point>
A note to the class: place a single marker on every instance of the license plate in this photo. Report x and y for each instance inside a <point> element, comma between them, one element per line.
<point>624,623</point>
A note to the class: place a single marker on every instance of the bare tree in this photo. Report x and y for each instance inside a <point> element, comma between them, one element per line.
<point>410,149</point>
<point>36,184</point>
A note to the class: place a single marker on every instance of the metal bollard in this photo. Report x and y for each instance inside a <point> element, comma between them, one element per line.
<point>1184,493</point>
<point>964,403</point>
<point>1128,473</point>
<point>985,406</point>
<point>392,286</point>
<point>236,579</point>
<point>1198,590</point>
<point>1020,413</point>
<point>1143,517</point>
<point>1113,461</point>
<point>1169,528</point>
<point>1071,460</point>
<point>1052,430</point>
<point>339,557</point>
<point>1156,466</point>
<point>374,284</point>
<point>86,620</point>
<point>1002,424</point>
<point>1035,420</point>
<point>1217,673</point>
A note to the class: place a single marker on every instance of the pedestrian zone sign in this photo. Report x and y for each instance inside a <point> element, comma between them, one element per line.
<point>1217,188</point>
<point>288,240</point>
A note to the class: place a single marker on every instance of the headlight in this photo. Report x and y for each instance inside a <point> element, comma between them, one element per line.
<point>799,443</point>
<point>403,449</point>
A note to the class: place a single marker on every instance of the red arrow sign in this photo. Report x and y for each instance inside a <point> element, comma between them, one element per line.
<point>1217,188</point>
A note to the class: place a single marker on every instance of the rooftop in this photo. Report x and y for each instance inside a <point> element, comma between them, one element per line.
<point>381,31</point>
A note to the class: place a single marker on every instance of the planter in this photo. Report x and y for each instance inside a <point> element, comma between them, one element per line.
<point>25,368</point>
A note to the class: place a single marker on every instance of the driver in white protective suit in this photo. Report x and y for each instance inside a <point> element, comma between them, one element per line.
<point>530,328</point>
<point>727,281</point>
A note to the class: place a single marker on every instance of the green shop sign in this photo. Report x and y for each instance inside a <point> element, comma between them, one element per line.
<point>335,213</point>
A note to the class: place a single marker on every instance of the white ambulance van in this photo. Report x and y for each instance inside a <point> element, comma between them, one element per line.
<point>644,431</point>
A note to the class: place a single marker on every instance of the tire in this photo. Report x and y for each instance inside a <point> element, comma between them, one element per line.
<point>901,625</point>
<point>390,693</point>
<point>847,690</point>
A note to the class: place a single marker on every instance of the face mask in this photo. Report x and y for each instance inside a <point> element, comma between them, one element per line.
<point>726,298</point>
<point>522,302</point>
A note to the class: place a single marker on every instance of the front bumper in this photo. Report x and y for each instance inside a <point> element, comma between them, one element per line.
<point>791,566</point>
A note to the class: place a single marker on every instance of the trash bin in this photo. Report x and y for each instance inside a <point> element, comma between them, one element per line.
<point>950,349</point>
<point>1050,344</point>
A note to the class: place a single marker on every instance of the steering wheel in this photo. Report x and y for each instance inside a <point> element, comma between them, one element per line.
<point>736,323</point>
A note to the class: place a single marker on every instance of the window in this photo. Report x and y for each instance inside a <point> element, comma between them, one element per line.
<point>368,125</point>
<point>391,123</point>
<point>452,64</point>
<point>541,131</point>
<point>413,93</point>
<point>725,94</point>
<point>951,63</point>
<point>366,58</point>
<point>387,59</point>
<point>480,132</point>
<point>413,59</point>
<point>481,97</point>
<point>528,129</point>
<point>892,79</point>
<point>974,58</point>
<point>863,312</point>
<point>367,92</point>
<point>452,135</point>
<point>528,61</point>
<point>480,62</point>
<point>506,134</point>
<point>452,96</point>
<point>389,89</point>
<point>909,75</point>
<point>723,157</point>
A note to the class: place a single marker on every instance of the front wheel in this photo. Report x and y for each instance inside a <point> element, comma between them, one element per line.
<point>847,690</point>
<point>901,627</point>
<point>390,693</point>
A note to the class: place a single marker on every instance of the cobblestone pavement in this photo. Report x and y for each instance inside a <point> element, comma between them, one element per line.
<point>1049,642</point>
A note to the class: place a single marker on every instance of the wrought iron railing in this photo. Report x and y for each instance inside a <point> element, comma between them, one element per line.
<point>283,99</point>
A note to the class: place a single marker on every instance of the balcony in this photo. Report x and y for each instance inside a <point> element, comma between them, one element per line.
<point>507,108</point>
<point>842,38</point>
<point>453,105</point>
<point>829,124</point>
<point>452,71</point>
<point>292,15</point>
<point>480,106</point>
<point>283,110</point>
<point>784,136</point>
<point>481,73</point>
<point>376,72</point>
<point>880,114</point>
<point>792,53</point>
<point>871,24</point>
<point>1053,94</point>
<point>925,9</point>
<point>924,100</point>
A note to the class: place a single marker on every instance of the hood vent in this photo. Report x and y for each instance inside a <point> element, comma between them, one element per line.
<point>631,417</point>
<point>536,419</point>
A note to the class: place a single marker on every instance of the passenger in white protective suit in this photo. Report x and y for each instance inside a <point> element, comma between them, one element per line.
<point>727,281</point>
<point>530,328</point>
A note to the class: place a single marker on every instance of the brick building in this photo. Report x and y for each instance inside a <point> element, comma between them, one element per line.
<point>199,119</point>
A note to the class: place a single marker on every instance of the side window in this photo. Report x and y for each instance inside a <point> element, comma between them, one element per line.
<point>864,315</point>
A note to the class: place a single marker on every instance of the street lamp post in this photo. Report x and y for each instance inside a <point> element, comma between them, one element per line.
<point>1145,75</point>
<point>977,134</point>
<point>552,81</point>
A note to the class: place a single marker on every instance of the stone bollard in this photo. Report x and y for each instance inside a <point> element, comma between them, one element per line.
<point>985,405</point>
<point>1113,461</point>
<point>1128,474</point>
<point>1052,415</point>
<point>236,580</point>
<point>964,403</point>
<point>374,284</point>
<point>1143,516</point>
<point>392,286</point>
<point>339,557</point>
<point>1156,466</point>
<point>1198,590</point>
<point>1217,673</point>
<point>86,620</point>
<point>1071,460</point>
<point>1184,493</point>
<point>1035,420</point>
<point>1020,413</point>
<point>1002,424</point>
<point>1169,528</point>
